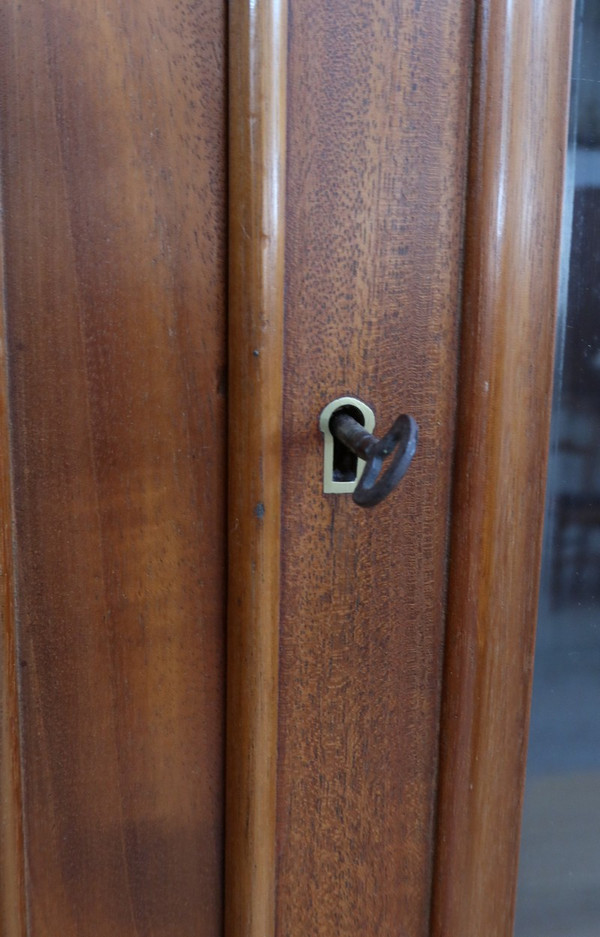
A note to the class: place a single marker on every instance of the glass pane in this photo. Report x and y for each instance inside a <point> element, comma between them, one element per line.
<point>559,878</point>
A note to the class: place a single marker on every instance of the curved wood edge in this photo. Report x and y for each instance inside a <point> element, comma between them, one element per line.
<point>519,132</point>
<point>257,54</point>
<point>13,922</point>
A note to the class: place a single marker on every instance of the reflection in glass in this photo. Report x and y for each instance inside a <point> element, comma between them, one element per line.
<point>559,878</point>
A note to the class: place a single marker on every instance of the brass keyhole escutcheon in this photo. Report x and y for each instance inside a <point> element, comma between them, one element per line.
<point>379,464</point>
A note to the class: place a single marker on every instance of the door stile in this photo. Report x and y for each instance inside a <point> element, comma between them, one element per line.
<point>257,118</point>
<point>518,143</point>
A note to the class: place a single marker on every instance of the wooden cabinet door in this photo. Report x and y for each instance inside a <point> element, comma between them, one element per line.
<point>424,188</point>
<point>316,199</point>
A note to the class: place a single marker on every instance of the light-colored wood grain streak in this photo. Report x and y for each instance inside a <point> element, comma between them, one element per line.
<point>12,859</point>
<point>258,45</point>
<point>512,248</point>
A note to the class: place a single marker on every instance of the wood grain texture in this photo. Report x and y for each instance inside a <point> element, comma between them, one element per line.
<point>112,145</point>
<point>378,102</point>
<point>513,226</point>
<point>257,122</point>
<point>12,859</point>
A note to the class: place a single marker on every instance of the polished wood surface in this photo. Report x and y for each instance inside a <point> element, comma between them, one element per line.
<point>257,121</point>
<point>113,178</point>
<point>113,454</point>
<point>513,227</point>
<point>378,102</point>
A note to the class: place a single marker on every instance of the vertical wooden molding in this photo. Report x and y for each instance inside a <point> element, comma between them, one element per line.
<point>12,859</point>
<point>511,269</point>
<point>257,115</point>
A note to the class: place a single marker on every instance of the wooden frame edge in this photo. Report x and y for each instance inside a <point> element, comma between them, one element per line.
<point>257,123</point>
<point>518,142</point>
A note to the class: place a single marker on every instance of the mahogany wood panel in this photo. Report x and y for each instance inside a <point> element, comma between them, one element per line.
<point>257,112</point>
<point>377,127</point>
<point>513,227</point>
<point>112,144</point>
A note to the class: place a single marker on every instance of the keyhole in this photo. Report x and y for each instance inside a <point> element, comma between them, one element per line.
<point>344,461</point>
